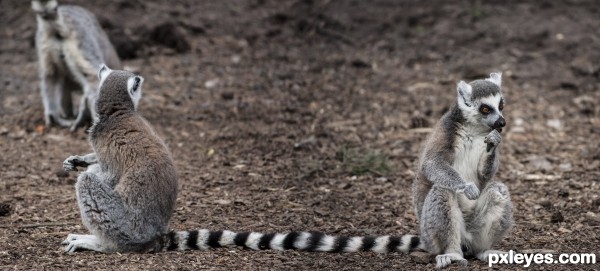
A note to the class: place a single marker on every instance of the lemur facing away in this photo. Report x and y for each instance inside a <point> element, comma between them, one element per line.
<point>127,194</point>
<point>459,160</point>
<point>71,46</point>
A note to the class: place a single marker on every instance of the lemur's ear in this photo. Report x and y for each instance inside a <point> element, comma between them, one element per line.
<point>464,93</point>
<point>134,88</point>
<point>496,78</point>
<point>103,72</point>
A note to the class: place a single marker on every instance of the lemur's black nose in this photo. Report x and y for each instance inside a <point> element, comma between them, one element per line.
<point>500,122</point>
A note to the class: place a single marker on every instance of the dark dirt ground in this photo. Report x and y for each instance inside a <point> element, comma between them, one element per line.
<point>269,104</point>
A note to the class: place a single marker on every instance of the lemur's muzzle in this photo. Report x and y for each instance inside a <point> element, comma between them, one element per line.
<point>500,122</point>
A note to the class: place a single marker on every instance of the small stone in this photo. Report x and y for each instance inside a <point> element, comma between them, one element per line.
<point>223,202</point>
<point>564,230</point>
<point>227,95</point>
<point>592,219</point>
<point>211,83</point>
<point>554,123</point>
<point>344,185</point>
<point>518,122</point>
<point>576,185</point>
<point>586,104</point>
<point>4,209</point>
<point>557,217</point>
<point>583,66</point>
<point>361,64</point>
<point>565,167</point>
<point>421,257</point>
<point>563,193</point>
<point>545,203</point>
<point>540,163</point>
<point>381,179</point>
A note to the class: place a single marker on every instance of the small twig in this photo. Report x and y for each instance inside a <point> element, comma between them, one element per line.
<point>335,35</point>
<point>376,172</point>
<point>27,226</point>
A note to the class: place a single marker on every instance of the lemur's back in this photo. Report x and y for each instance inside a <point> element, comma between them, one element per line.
<point>146,175</point>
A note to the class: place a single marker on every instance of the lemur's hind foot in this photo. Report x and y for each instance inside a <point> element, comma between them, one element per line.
<point>443,260</point>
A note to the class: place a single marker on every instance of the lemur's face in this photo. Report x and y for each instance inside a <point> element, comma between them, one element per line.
<point>482,103</point>
<point>490,111</point>
<point>45,8</point>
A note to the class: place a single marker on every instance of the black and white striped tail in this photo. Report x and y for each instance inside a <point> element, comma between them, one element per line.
<point>306,241</point>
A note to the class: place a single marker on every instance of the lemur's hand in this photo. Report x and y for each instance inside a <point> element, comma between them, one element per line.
<point>471,191</point>
<point>492,140</point>
<point>74,161</point>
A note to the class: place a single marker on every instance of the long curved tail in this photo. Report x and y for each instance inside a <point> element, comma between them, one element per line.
<point>306,241</point>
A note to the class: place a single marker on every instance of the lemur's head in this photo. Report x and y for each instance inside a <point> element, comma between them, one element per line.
<point>481,102</point>
<point>118,91</point>
<point>45,8</point>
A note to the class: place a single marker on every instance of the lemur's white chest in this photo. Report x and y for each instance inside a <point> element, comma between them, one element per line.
<point>468,151</point>
<point>64,53</point>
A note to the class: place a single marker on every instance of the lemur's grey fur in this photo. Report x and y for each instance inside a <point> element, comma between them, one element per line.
<point>127,194</point>
<point>71,46</point>
<point>459,160</point>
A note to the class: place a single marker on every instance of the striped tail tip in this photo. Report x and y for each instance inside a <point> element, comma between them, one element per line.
<point>305,241</point>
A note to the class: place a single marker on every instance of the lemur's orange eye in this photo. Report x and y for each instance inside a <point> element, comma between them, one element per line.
<point>484,109</point>
<point>501,105</point>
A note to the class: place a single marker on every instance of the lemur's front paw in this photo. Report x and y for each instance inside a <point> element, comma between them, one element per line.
<point>493,139</point>
<point>471,191</point>
<point>69,164</point>
<point>74,161</point>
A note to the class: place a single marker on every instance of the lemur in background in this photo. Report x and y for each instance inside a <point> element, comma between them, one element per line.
<point>127,194</point>
<point>71,46</point>
<point>459,160</point>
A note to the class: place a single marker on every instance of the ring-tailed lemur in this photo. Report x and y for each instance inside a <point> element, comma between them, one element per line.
<point>127,194</point>
<point>459,160</point>
<point>71,46</point>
